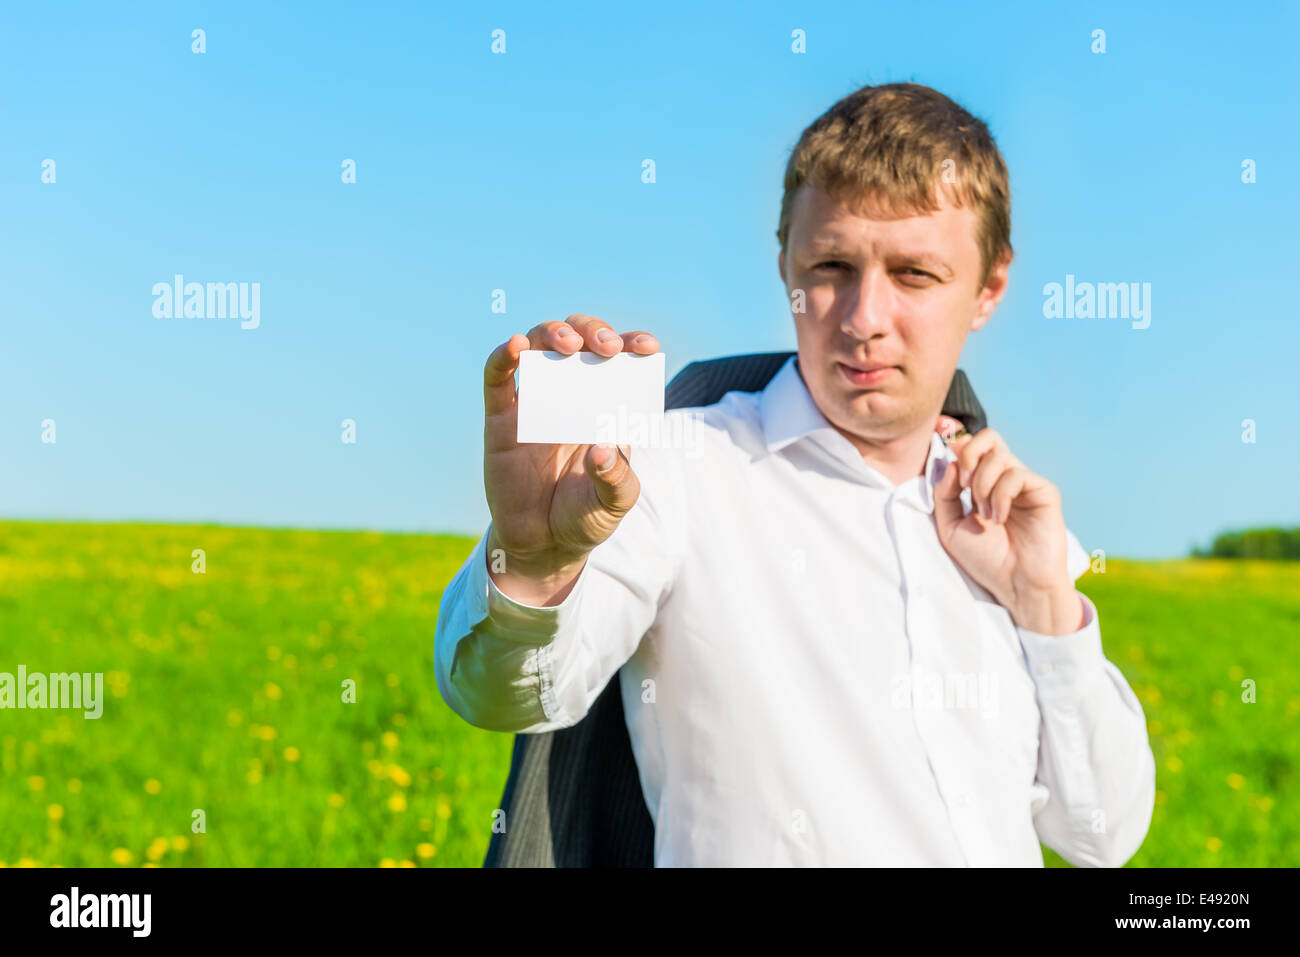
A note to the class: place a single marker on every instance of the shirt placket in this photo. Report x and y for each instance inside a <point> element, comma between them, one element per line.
<point>923,626</point>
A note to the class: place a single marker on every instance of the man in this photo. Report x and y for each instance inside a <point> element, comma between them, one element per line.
<point>840,639</point>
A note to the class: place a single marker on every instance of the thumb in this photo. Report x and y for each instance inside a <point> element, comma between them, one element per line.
<point>948,510</point>
<point>616,484</point>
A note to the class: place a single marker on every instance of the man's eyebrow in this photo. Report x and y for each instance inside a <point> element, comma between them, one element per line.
<point>926,260</point>
<point>817,248</point>
<point>826,247</point>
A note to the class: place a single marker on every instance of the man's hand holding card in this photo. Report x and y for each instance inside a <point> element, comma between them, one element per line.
<point>554,492</point>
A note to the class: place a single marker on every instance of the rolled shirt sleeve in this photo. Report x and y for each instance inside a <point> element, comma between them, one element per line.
<point>506,666</point>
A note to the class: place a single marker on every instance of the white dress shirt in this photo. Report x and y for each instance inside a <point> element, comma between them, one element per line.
<point>808,677</point>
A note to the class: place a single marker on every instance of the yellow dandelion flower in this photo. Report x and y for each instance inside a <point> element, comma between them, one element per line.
<point>1213,844</point>
<point>1265,803</point>
<point>254,776</point>
<point>336,800</point>
<point>266,733</point>
<point>389,739</point>
<point>376,768</point>
<point>397,802</point>
<point>36,782</point>
<point>121,856</point>
<point>399,775</point>
<point>27,862</point>
<point>180,843</point>
<point>1235,781</point>
<point>272,691</point>
<point>444,811</point>
<point>153,786</point>
<point>1174,763</point>
<point>74,786</point>
<point>148,864</point>
<point>55,812</point>
<point>407,864</point>
<point>388,862</point>
<point>425,850</point>
<point>291,753</point>
<point>157,848</point>
<point>3,865</point>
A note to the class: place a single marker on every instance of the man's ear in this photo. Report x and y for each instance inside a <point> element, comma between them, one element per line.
<point>992,293</point>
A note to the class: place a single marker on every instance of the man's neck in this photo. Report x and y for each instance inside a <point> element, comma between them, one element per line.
<point>898,459</point>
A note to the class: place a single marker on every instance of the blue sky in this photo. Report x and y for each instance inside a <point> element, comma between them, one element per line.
<point>522,172</point>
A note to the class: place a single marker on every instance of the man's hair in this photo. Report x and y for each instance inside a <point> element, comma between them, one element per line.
<point>888,144</point>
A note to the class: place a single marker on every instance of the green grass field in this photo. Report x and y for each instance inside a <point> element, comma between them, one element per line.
<point>224,693</point>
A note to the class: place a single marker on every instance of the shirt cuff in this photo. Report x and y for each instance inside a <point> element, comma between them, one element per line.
<point>1064,666</point>
<point>526,624</point>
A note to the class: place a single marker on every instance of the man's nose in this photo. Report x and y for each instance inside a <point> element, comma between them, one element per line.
<point>867,314</point>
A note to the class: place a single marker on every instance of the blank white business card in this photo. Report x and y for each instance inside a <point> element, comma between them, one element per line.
<point>585,399</point>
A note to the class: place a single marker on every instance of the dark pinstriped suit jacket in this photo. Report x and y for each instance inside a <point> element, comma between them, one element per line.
<point>573,796</point>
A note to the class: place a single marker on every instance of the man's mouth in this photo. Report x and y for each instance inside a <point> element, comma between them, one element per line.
<point>866,373</point>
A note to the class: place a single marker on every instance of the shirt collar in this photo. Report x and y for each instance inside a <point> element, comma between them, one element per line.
<point>790,415</point>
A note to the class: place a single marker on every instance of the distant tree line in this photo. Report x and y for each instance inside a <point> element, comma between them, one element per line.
<point>1254,543</point>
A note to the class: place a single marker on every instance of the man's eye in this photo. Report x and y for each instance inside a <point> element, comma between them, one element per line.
<point>832,264</point>
<point>912,270</point>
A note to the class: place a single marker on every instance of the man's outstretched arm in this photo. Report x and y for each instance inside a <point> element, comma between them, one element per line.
<point>506,665</point>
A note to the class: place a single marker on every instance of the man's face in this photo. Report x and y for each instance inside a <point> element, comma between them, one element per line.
<point>892,296</point>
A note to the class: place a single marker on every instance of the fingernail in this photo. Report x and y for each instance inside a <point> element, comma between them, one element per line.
<point>641,338</point>
<point>609,462</point>
<point>997,518</point>
<point>606,335</point>
<point>565,332</point>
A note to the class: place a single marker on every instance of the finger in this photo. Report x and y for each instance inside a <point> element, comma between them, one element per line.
<point>948,427</point>
<point>611,473</point>
<point>499,375</point>
<point>1004,493</point>
<point>948,511</point>
<point>555,336</point>
<point>640,342</point>
<point>597,335</point>
<point>991,466</point>
<point>969,451</point>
